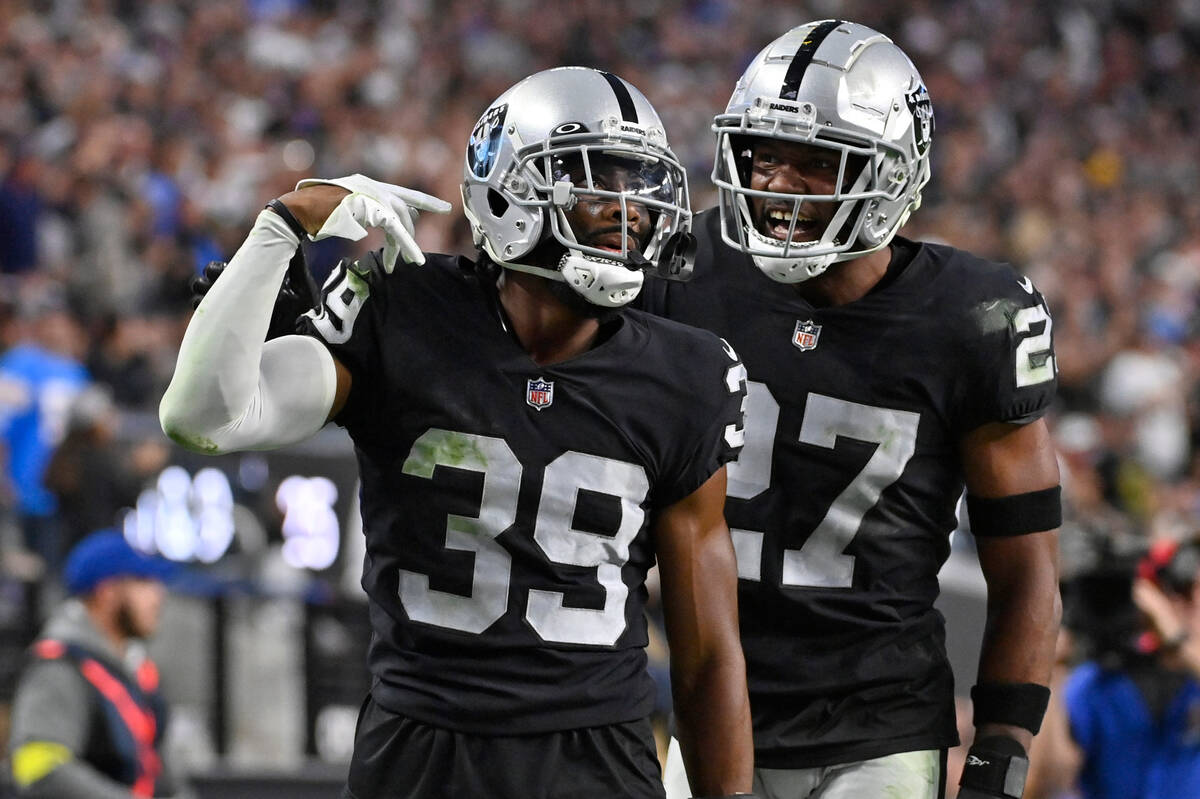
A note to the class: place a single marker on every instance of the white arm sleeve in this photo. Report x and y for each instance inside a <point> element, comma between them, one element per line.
<point>230,391</point>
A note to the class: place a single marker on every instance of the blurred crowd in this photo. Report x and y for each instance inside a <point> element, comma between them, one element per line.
<point>139,138</point>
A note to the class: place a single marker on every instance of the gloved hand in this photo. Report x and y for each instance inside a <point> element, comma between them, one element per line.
<point>996,768</point>
<point>297,293</point>
<point>372,203</point>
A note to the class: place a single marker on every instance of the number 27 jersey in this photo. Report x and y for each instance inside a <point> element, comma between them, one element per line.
<point>508,506</point>
<point>842,500</point>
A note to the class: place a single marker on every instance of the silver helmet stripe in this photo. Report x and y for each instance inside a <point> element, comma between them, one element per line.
<point>803,57</point>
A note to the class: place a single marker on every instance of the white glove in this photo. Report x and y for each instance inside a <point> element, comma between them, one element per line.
<point>372,203</point>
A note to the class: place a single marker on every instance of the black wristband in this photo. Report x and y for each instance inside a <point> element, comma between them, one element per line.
<point>1019,514</point>
<point>288,217</point>
<point>996,766</point>
<point>1022,704</point>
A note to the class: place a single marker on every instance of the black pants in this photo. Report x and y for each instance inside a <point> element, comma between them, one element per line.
<point>397,757</point>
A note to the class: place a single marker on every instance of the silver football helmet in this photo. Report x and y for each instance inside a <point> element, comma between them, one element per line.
<point>570,135</point>
<point>836,85</point>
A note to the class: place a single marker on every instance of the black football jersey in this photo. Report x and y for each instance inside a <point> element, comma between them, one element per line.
<point>842,500</point>
<point>507,506</point>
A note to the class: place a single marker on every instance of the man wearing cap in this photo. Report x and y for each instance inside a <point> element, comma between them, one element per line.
<point>88,718</point>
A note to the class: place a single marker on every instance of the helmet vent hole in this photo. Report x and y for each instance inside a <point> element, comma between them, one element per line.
<point>496,203</point>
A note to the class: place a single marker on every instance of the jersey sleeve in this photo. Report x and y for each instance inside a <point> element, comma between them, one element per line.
<point>719,432</point>
<point>349,319</point>
<point>1011,373</point>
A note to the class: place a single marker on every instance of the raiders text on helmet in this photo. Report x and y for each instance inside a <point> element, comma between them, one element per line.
<point>835,85</point>
<point>565,136</point>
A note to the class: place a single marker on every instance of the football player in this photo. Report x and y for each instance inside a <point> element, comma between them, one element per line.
<point>527,448</point>
<point>884,376</point>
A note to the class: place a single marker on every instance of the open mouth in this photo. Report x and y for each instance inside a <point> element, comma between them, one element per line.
<point>777,221</point>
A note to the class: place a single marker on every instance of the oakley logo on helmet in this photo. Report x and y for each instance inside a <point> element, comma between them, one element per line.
<point>567,128</point>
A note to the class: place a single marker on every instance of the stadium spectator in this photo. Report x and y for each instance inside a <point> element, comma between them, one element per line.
<point>93,474</point>
<point>88,718</point>
<point>39,377</point>
<point>1124,723</point>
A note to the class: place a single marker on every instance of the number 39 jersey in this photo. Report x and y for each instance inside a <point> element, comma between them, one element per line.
<point>508,506</point>
<point>842,500</point>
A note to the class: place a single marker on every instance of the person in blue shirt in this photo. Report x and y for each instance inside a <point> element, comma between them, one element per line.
<point>39,377</point>
<point>1129,727</point>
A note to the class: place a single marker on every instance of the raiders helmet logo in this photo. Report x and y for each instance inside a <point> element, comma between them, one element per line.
<point>539,393</point>
<point>484,145</point>
<point>922,110</point>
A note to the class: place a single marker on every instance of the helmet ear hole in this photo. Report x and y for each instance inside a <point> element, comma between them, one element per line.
<point>496,203</point>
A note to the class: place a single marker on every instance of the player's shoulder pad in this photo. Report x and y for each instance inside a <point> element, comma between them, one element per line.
<point>706,226</point>
<point>972,277</point>
<point>673,331</point>
<point>976,295</point>
<point>707,223</point>
<point>684,347</point>
<point>369,268</point>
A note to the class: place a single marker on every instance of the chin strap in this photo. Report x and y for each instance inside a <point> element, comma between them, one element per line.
<point>610,283</point>
<point>600,281</point>
<point>785,270</point>
<point>540,271</point>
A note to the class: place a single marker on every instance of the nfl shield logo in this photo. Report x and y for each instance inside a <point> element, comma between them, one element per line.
<point>539,393</point>
<point>806,335</point>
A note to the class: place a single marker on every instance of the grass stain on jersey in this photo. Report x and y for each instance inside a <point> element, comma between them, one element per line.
<point>452,449</point>
<point>992,316</point>
<point>358,281</point>
<point>886,438</point>
<point>194,443</point>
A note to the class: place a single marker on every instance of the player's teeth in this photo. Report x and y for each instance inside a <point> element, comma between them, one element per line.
<point>779,216</point>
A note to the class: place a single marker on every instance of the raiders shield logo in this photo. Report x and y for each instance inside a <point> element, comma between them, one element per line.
<point>484,144</point>
<point>922,110</point>
<point>539,393</point>
<point>806,335</point>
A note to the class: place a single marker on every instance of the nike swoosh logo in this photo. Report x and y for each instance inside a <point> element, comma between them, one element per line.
<point>1026,284</point>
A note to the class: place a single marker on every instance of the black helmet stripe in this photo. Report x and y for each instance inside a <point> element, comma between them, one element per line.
<point>803,57</point>
<point>624,98</point>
